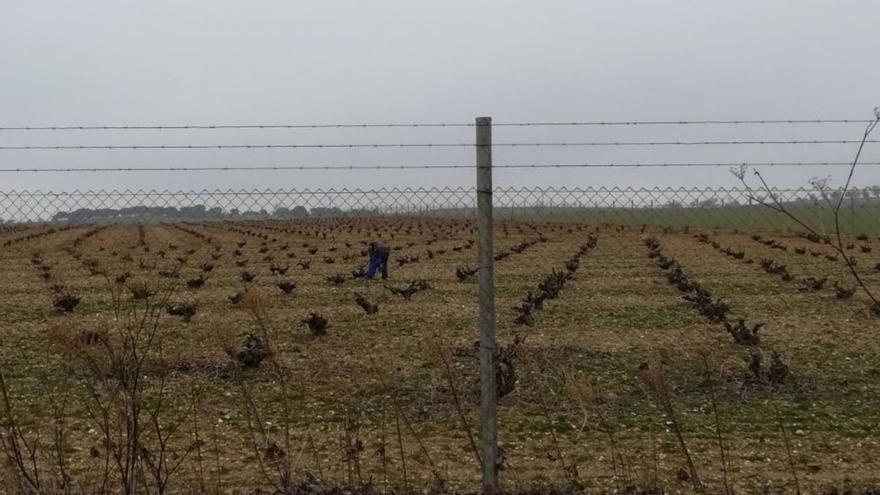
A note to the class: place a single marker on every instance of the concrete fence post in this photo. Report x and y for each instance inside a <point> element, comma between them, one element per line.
<point>488,402</point>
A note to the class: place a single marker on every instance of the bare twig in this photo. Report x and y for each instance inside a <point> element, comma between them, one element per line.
<point>383,449</point>
<point>544,386</point>
<point>443,353</point>
<point>719,433</point>
<point>200,467</point>
<point>838,245</point>
<point>786,442</point>
<point>15,445</point>
<point>400,447</point>
<point>655,379</point>
<point>589,405</point>
<point>433,467</point>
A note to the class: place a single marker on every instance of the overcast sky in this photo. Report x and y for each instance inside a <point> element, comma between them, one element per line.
<point>121,62</point>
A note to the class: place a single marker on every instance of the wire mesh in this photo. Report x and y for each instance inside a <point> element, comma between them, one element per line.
<point>732,208</point>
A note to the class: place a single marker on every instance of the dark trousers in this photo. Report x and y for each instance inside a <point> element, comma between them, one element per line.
<point>377,262</point>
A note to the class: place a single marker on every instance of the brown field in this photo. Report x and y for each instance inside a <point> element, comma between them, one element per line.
<point>373,395</point>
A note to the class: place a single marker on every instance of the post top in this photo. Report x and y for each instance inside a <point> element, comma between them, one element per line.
<point>483,120</point>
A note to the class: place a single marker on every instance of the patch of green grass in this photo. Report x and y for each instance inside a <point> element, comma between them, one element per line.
<point>638,317</point>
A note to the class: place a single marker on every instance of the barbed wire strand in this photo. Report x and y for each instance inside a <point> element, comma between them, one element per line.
<point>424,145</point>
<point>429,125</point>
<point>424,167</point>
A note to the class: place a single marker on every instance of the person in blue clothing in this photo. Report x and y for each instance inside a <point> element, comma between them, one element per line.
<point>379,254</point>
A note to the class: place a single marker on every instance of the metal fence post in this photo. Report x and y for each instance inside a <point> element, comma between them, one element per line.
<point>487,305</point>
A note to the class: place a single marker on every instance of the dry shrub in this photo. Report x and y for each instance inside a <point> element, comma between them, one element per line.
<point>124,380</point>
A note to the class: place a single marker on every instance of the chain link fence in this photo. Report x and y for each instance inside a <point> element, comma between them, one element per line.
<point>726,208</point>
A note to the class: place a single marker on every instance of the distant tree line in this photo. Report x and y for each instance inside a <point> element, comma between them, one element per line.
<point>195,212</point>
<point>870,194</point>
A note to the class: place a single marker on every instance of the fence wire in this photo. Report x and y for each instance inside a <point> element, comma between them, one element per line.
<point>349,168</point>
<point>731,208</point>
<point>372,125</point>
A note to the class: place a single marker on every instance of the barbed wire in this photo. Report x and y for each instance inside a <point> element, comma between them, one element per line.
<point>425,145</point>
<point>686,122</point>
<point>424,167</point>
<point>227,126</point>
<point>430,125</point>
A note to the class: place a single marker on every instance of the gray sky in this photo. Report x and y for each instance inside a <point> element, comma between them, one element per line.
<point>335,61</point>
